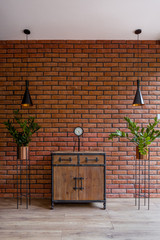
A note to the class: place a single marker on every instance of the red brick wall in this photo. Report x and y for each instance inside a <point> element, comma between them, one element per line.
<point>78,83</point>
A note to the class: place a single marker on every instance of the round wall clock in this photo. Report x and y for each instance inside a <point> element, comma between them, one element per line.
<point>78,131</point>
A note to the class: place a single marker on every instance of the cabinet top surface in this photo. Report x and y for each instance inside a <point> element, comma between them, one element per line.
<point>76,152</point>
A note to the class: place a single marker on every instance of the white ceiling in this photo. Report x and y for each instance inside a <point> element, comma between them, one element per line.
<point>80,19</point>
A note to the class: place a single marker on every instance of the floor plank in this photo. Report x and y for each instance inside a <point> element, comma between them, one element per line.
<point>120,221</point>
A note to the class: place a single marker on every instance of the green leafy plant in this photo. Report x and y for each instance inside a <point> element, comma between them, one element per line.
<point>28,127</point>
<point>142,138</point>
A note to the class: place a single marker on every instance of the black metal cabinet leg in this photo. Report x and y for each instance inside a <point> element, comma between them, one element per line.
<point>52,205</point>
<point>104,205</point>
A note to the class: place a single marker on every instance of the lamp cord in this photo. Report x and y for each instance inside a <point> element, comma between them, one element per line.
<point>27,54</point>
<point>27,74</point>
<point>138,57</point>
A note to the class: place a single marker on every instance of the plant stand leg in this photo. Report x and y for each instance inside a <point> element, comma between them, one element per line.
<point>148,179</point>
<point>142,181</point>
<point>17,186</point>
<point>136,182</point>
<point>26,181</point>
<point>29,181</point>
<point>139,191</point>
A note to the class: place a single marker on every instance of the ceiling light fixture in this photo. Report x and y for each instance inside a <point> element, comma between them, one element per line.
<point>138,99</point>
<point>27,101</point>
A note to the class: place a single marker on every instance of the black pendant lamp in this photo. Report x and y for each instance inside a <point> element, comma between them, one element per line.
<point>27,101</point>
<point>138,99</point>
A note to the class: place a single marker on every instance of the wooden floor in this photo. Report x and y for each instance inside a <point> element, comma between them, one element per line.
<point>120,221</point>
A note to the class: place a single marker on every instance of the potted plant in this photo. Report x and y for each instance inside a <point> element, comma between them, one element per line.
<point>24,136</point>
<point>141,138</point>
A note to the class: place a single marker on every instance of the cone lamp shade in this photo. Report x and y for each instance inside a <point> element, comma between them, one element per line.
<point>138,99</point>
<point>27,101</point>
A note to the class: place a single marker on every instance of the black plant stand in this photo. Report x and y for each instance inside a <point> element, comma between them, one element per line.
<point>23,180</point>
<point>142,181</point>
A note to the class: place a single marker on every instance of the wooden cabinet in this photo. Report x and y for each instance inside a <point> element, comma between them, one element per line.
<point>78,177</point>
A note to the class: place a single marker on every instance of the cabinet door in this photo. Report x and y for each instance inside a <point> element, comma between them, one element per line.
<point>65,182</point>
<point>92,183</point>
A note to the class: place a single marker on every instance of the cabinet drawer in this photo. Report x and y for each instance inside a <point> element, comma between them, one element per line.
<point>64,159</point>
<point>92,159</point>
